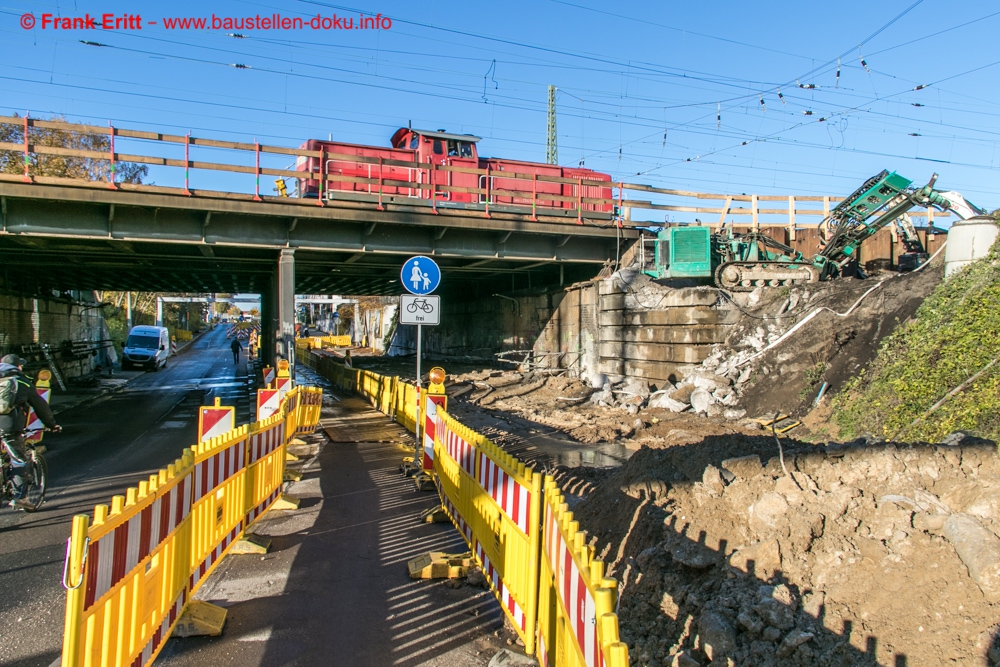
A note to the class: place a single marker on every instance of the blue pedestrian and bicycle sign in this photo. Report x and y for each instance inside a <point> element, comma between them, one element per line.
<point>420,275</point>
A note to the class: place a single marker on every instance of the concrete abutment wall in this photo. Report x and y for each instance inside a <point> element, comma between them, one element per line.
<point>623,326</point>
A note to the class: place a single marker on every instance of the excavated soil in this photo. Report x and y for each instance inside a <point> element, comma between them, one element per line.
<point>829,348</point>
<point>724,557</point>
<point>841,560</point>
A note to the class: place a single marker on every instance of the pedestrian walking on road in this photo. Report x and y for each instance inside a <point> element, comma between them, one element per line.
<point>237,346</point>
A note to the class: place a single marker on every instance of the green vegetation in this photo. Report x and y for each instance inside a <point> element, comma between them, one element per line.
<point>954,336</point>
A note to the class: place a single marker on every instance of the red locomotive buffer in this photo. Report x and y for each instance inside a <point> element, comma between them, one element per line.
<point>445,169</point>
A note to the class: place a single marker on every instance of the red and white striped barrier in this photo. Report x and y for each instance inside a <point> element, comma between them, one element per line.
<point>459,449</point>
<point>506,599</point>
<point>263,443</point>
<point>173,347</point>
<point>284,385</point>
<point>268,403</point>
<point>513,498</point>
<point>215,421</point>
<point>34,422</point>
<point>430,428</point>
<point>576,597</point>
<point>114,555</point>
<point>162,632</point>
<point>218,468</point>
<point>214,555</point>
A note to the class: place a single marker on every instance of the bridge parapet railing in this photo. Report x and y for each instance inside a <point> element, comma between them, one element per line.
<point>131,571</point>
<point>585,196</point>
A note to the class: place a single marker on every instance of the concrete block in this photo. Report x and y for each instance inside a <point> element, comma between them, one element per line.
<point>691,296</point>
<point>611,349</point>
<point>200,619</point>
<point>252,544</point>
<point>680,316</point>
<point>438,565</point>
<point>655,370</point>
<point>286,502</point>
<point>698,334</point>
<point>612,366</point>
<point>609,286</point>
<point>610,318</point>
<point>612,302</point>
<point>610,333</point>
<point>688,354</point>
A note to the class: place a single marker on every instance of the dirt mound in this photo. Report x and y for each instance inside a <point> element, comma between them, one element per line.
<point>846,559</point>
<point>830,348</point>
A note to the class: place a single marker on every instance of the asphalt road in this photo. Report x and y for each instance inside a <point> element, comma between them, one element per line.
<point>108,445</point>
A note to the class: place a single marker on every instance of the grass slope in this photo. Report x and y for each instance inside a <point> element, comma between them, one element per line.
<point>955,333</point>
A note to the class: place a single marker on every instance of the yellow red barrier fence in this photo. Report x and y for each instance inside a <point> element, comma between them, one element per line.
<point>219,498</point>
<point>577,626</point>
<point>265,467</point>
<point>495,502</point>
<point>127,572</point>
<point>132,570</point>
<point>522,533</point>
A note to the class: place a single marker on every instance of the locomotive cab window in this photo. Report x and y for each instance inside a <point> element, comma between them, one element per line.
<point>459,148</point>
<point>415,141</point>
<point>438,148</point>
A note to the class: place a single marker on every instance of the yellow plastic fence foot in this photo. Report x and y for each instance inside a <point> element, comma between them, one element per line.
<point>290,457</point>
<point>252,544</point>
<point>286,502</point>
<point>296,441</point>
<point>200,619</point>
<point>434,515</point>
<point>293,475</point>
<point>424,482</point>
<point>439,565</point>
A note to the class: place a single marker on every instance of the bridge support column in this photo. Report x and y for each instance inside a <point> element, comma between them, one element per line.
<point>268,320</point>
<point>159,312</point>
<point>128,310</point>
<point>285,335</point>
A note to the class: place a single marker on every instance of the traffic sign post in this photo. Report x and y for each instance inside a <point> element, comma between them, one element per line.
<point>420,276</point>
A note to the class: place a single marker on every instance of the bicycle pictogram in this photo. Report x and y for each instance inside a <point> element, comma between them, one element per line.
<point>421,304</point>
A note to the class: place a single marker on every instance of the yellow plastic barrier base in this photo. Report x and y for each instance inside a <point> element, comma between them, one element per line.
<point>438,565</point>
<point>434,515</point>
<point>291,457</point>
<point>286,502</point>
<point>252,544</point>
<point>296,442</point>
<point>424,482</point>
<point>293,476</point>
<point>200,619</point>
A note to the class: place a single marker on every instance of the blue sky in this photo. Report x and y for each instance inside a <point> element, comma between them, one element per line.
<point>665,93</point>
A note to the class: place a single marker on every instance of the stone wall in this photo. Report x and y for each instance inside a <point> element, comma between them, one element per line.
<point>656,333</point>
<point>26,321</point>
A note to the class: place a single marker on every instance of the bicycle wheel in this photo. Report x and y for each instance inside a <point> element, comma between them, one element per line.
<point>35,495</point>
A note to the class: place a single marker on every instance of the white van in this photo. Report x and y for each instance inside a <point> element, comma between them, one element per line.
<point>146,346</point>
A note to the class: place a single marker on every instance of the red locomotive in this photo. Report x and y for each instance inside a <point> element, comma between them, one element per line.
<point>455,175</point>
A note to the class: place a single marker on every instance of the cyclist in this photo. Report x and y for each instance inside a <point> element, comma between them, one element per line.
<point>17,393</point>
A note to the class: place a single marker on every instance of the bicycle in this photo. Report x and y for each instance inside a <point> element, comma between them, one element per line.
<point>33,497</point>
<point>421,304</point>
